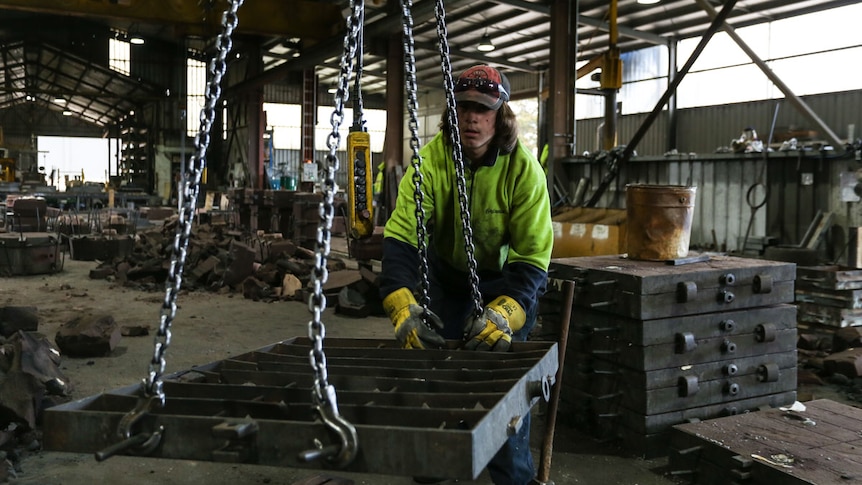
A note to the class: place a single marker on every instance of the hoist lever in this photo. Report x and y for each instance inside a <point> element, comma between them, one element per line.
<point>134,443</point>
<point>342,455</point>
<point>121,446</point>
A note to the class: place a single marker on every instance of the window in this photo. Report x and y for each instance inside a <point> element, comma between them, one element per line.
<point>725,74</point>
<point>196,84</point>
<point>794,48</point>
<point>119,59</point>
<point>375,123</point>
<point>285,121</point>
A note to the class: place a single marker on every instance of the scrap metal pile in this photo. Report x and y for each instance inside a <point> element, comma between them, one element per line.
<point>30,381</point>
<point>263,266</point>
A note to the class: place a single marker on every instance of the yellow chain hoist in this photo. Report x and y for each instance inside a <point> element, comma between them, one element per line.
<point>360,192</point>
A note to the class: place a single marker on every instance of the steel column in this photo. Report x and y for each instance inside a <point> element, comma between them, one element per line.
<point>309,113</point>
<point>561,90</point>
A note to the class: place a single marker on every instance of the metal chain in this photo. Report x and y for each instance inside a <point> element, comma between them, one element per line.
<point>317,300</point>
<point>323,393</point>
<point>358,114</point>
<point>153,385</point>
<point>458,154</point>
<point>415,159</point>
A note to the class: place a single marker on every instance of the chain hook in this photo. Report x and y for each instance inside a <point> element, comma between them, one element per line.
<point>141,444</point>
<point>327,409</point>
<point>145,405</point>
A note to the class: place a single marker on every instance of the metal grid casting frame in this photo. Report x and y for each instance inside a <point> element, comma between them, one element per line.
<point>441,413</point>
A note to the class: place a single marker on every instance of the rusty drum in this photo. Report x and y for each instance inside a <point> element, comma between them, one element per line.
<point>659,221</point>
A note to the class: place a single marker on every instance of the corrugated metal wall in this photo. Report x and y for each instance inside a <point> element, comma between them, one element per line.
<point>721,215</point>
<point>703,130</point>
<point>798,186</point>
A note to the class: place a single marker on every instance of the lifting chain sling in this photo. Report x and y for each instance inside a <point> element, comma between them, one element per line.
<point>458,155</point>
<point>416,160</point>
<point>324,393</point>
<point>152,393</point>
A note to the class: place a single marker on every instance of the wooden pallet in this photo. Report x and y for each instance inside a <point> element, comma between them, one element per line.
<point>820,445</point>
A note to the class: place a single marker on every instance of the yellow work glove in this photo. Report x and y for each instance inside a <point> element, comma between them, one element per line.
<point>406,315</point>
<point>494,328</point>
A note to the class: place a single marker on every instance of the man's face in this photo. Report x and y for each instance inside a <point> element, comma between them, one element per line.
<point>477,126</point>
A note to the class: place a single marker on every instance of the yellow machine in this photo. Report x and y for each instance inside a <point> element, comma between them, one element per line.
<point>360,192</point>
<point>7,169</point>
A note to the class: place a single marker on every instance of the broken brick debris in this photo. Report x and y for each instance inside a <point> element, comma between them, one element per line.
<point>260,266</point>
<point>88,335</point>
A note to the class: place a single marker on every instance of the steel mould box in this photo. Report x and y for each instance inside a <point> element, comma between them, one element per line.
<point>656,344</point>
<point>791,446</point>
<point>101,248</point>
<point>29,253</point>
<point>654,289</point>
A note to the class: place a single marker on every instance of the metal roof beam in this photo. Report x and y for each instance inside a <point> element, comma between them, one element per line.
<point>320,53</point>
<point>528,6</point>
<point>304,18</point>
<point>626,31</point>
<point>518,66</point>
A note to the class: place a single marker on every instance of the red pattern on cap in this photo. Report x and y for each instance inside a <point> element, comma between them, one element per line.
<point>483,72</point>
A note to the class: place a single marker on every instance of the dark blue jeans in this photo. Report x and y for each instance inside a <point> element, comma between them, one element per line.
<point>513,464</point>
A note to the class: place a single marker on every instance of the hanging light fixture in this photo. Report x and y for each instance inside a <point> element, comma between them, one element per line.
<point>485,44</point>
<point>133,35</point>
<point>648,2</point>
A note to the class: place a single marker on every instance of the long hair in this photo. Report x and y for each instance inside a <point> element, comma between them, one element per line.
<point>505,129</point>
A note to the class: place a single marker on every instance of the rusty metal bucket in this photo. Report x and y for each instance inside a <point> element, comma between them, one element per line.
<point>659,221</point>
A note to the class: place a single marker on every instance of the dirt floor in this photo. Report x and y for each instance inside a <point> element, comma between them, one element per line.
<point>211,327</point>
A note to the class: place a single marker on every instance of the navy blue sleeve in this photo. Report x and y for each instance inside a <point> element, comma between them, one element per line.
<point>399,266</point>
<point>521,281</point>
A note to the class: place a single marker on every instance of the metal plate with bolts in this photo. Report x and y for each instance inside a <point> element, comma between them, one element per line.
<point>441,413</point>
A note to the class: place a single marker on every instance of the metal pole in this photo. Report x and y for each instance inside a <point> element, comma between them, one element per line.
<point>544,473</point>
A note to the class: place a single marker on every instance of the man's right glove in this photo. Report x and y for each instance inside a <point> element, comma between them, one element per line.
<point>406,314</point>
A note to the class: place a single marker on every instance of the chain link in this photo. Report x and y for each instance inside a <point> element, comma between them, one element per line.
<point>323,393</point>
<point>320,274</point>
<point>153,384</point>
<point>415,159</point>
<point>458,154</point>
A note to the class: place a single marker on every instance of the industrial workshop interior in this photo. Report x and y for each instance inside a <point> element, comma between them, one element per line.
<point>268,242</point>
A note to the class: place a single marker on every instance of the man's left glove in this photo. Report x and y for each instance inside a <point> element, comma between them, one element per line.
<point>494,328</point>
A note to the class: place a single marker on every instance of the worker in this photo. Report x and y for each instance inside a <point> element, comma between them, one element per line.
<point>512,237</point>
<point>377,187</point>
<point>543,158</point>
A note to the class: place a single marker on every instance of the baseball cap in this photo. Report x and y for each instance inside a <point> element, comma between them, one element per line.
<point>484,85</point>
